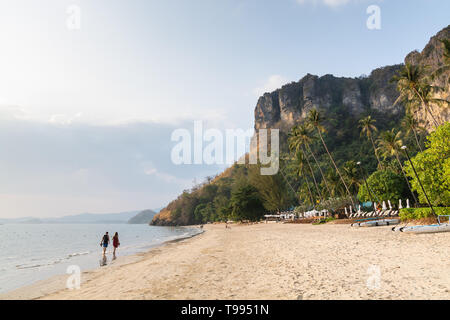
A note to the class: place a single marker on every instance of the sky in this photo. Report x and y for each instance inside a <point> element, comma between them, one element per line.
<point>91,90</point>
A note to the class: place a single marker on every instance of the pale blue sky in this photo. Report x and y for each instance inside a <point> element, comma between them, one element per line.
<point>163,64</point>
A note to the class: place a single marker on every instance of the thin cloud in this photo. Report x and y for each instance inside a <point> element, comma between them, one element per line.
<point>329,3</point>
<point>63,119</point>
<point>272,83</point>
<point>168,178</point>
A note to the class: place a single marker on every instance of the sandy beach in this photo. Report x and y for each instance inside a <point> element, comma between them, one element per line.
<point>272,261</point>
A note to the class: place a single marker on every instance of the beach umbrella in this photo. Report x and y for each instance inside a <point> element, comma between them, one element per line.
<point>407,203</point>
<point>384,205</point>
<point>359,210</point>
<point>400,204</point>
<point>390,205</point>
<point>346,213</point>
<point>351,209</point>
<point>375,206</point>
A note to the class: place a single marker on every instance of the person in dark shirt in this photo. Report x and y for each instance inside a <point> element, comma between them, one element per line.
<point>104,243</point>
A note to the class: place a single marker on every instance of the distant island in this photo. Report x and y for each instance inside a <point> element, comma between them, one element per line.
<point>131,217</point>
<point>143,217</point>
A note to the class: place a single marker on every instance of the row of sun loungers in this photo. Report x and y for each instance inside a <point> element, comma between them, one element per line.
<point>382,213</point>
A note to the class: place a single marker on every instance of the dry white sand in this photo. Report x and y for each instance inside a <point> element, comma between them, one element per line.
<point>273,261</point>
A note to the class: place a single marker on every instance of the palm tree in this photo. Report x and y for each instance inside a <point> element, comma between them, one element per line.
<point>412,125</point>
<point>300,164</point>
<point>352,173</point>
<point>335,183</point>
<point>413,87</point>
<point>367,126</point>
<point>284,164</point>
<point>296,142</point>
<point>389,144</point>
<point>315,120</point>
<point>301,135</point>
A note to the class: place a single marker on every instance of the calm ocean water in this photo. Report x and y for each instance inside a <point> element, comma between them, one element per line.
<point>29,253</point>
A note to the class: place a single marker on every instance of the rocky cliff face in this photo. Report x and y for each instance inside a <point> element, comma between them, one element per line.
<point>431,57</point>
<point>284,107</point>
<point>290,104</point>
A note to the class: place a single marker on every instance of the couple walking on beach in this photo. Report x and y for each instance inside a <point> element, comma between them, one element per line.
<point>105,242</point>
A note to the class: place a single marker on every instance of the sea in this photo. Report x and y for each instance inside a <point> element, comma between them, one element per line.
<point>33,252</point>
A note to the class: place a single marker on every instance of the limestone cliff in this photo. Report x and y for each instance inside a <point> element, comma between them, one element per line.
<point>290,104</point>
<point>431,57</point>
<point>284,107</point>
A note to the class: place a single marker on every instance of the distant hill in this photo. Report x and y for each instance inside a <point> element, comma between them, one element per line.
<point>121,217</point>
<point>143,217</point>
<point>31,221</point>
<point>18,220</point>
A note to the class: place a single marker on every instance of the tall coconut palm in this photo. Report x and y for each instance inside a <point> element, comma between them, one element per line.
<point>389,145</point>
<point>412,86</point>
<point>352,173</point>
<point>411,124</point>
<point>299,161</point>
<point>335,183</point>
<point>296,141</point>
<point>301,135</point>
<point>315,120</point>
<point>368,127</point>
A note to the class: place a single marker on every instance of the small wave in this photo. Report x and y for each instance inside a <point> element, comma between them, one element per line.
<point>22,266</point>
<point>77,254</point>
<point>50,263</point>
